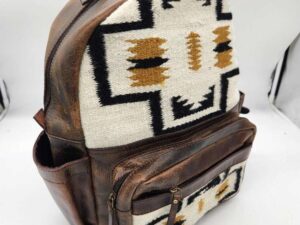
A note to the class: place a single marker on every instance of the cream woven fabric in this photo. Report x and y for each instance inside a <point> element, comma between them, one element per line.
<point>155,67</point>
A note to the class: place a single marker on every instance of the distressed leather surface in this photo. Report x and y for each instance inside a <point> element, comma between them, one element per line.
<point>63,65</point>
<point>232,137</point>
<point>79,179</point>
<point>98,165</point>
<point>70,184</point>
<point>190,167</point>
<point>146,205</point>
<point>83,195</point>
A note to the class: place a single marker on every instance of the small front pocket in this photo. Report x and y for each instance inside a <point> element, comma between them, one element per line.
<point>157,187</point>
<point>190,201</point>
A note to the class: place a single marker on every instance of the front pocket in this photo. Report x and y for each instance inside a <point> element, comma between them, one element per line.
<point>142,184</point>
<point>195,197</point>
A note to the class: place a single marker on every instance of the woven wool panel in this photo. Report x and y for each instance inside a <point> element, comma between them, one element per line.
<point>155,67</point>
<point>196,205</point>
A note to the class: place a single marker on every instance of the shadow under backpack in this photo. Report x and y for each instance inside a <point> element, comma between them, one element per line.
<point>141,112</point>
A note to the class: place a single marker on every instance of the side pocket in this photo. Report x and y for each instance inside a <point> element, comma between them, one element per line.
<point>69,184</point>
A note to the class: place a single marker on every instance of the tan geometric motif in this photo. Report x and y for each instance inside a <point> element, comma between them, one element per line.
<point>201,205</point>
<point>221,190</point>
<point>194,46</point>
<point>147,57</point>
<point>224,51</point>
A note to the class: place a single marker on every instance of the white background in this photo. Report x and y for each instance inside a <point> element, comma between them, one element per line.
<point>263,29</point>
<point>289,84</point>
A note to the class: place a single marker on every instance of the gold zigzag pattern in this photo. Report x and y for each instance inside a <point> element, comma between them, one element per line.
<point>222,189</point>
<point>194,46</point>
<point>223,58</point>
<point>147,49</point>
<point>148,77</point>
<point>222,34</point>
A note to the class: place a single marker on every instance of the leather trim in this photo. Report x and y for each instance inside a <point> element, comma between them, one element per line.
<point>39,117</point>
<point>59,27</point>
<point>189,167</point>
<point>67,43</point>
<point>69,184</point>
<point>146,205</point>
<point>140,169</point>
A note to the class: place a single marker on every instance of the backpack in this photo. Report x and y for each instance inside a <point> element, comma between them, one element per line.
<point>141,120</point>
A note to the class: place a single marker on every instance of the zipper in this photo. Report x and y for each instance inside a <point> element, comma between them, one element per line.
<point>178,140</point>
<point>87,5</point>
<point>111,207</point>
<point>167,196</point>
<point>176,200</point>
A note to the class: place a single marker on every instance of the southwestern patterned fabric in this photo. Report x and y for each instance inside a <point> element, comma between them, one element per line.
<point>196,205</point>
<point>155,67</point>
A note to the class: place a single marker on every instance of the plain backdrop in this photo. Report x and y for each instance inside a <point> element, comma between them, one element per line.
<point>263,30</point>
<point>290,83</point>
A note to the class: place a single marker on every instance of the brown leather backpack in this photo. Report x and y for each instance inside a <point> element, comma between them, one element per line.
<point>141,112</point>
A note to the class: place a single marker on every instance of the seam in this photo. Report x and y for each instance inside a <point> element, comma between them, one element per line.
<point>211,145</point>
<point>54,52</point>
<point>64,166</point>
<point>181,144</point>
<point>64,139</point>
<point>165,146</point>
<point>93,187</point>
<point>141,145</point>
<point>68,175</point>
<point>153,159</point>
<point>230,165</point>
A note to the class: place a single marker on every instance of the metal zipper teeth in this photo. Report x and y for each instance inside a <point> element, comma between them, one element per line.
<point>114,194</point>
<point>56,47</point>
<point>176,199</point>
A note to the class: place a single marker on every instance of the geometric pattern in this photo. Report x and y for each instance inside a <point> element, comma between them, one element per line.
<point>196,205</point>
<point>155,67</point>
<point>194,46</point>
<point>148,60</point>
<point>223,49</point>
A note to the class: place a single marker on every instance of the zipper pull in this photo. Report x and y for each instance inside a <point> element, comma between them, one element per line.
<point>111,207</point>
<point>176,199</point>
